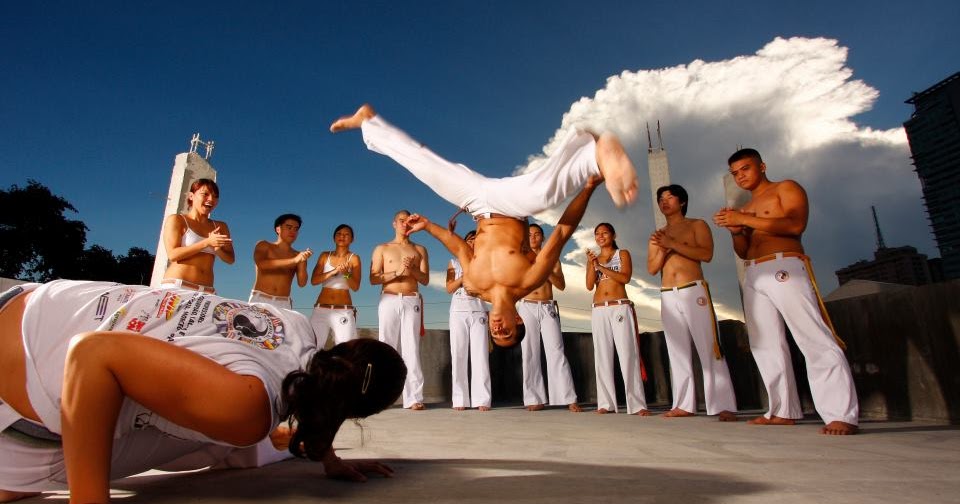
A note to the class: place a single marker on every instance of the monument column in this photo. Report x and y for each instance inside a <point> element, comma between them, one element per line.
<point>187,167</point>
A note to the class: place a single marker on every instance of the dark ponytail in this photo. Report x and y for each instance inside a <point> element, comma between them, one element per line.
<point>354,379</point>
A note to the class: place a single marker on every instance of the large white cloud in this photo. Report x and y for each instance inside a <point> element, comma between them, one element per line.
<point>795,101</point>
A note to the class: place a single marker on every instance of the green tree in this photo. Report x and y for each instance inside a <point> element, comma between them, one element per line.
<point>136,267</point>
<point>38,242</point>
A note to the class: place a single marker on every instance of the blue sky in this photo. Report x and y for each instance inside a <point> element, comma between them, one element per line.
<point>97,98</point>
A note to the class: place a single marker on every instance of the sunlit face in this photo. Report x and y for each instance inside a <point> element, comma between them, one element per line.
<point>536,237</point>
<point>288,231</point>
<point>203,200</point>
<point>748,172</point>
<point>343,238</point>
<point>669,204</point>
<point>603,236</point>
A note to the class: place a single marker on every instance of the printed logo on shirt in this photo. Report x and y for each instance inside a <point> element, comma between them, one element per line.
<point>125,294</point>
<point>135,325</point>
<point>168,305</point>
<point>249,324</point>
<point>483,320</point>
<point>702,301</point>
<point>619,318</point>
<point>102,307</point>
<point>115,318</point>
<point>343,320</point>
<point>416,309</point>
<point>782,276</point>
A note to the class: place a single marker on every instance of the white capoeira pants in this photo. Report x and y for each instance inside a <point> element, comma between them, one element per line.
<point>613,327</point>
<point>276,301</point>
<point>777,290</point>
<point>560,175</point>
<point>400,322</point>
<point>469,338</point>
<point>688,317</point>
<point>341,320</point>
<point>542,321</point>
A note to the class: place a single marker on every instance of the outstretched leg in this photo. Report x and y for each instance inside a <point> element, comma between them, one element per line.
<point>353,121</point>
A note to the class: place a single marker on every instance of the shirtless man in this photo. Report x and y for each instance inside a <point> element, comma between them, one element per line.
<point>675,252</point>
<point>778,286</point>
<point>400,266</point>
<point>501,272</point>
<point>277,262</point>
<point>542,320</point>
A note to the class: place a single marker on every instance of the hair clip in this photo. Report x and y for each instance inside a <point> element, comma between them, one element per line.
<point>366,378</point>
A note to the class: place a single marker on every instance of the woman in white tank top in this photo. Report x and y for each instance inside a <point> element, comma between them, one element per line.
<point>614,323</point>
<point>339,272</point>
<point>193,240</point>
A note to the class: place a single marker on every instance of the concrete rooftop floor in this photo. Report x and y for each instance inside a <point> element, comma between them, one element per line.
<point>509,454</point>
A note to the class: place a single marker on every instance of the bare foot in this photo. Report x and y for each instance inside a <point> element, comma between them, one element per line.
<point>617,170</point>
<point>677,413</point>
<point>535,407</point>
<point>459,408</point>
<point>643,412</point>
<point>9,496</point>
<point>602,411</point>
<point>353,122</point>
<point>483,408</point>
<point>418,406</point>
<point>574,408</point>
<point>838,428</point>
<point>727,416</point>
<point>773,420</point>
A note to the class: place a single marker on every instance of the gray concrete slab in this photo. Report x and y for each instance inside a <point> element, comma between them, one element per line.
<point>509,454</point>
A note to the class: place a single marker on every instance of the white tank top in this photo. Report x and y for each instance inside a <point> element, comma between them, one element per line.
<point>337,281</point>
<point>461,301</point>
<point>612,264</point>
<point>190,237</point>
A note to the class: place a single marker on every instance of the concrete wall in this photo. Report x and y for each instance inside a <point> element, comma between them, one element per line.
<point>506,379</point>
<point>903,351</point>
<point>902,347</point>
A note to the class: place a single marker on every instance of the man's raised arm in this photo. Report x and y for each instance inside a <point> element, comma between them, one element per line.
<point>456,245</point>
<point>550,253</point>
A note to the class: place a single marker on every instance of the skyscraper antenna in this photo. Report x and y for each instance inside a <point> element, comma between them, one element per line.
<point>876,225</point>
<point>649,140</point>
<point>659,137</point>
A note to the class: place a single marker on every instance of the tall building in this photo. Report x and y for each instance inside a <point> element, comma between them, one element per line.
<point>659,169</point>
<point>187,167</point>
<point>934,134</point>
<point>896,265</point>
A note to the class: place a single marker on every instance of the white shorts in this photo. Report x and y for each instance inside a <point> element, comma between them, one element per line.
<point>689,323</point>
<point>542,321</point>
<point>341,321</point>
<point>781,289</point>
<point>614,327</point>
<point>401,319</point>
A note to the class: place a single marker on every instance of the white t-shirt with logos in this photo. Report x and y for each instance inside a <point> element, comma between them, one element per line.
<point>256,340</point>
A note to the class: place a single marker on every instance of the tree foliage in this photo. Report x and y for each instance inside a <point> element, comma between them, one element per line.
<point>40,242</point>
